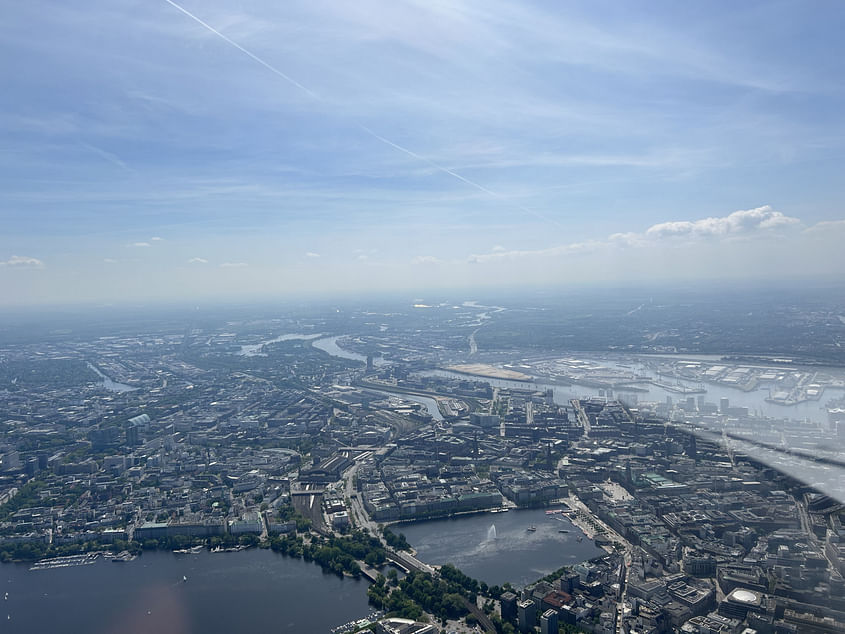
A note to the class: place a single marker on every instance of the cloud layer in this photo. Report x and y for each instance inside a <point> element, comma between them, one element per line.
<point>22,262</point>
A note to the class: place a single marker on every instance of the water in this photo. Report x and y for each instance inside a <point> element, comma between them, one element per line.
<point>329,345</point>
<point>255,349</point>
<point>753,400</point>
<point>112,386</point>
<point>430,403</point>
<point>254,590</point>
<point>502,551</point>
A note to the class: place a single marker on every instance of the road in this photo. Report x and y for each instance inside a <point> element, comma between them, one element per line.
<point>582,417</point>
<point>357,514</point>
<point>577,505</point>
<point>807,528</point>
<point>625,568</point>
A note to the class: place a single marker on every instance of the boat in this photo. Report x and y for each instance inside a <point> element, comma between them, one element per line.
<point>563,530</point>
<point>531,528</point>
<point>184,579</point>
<point>580,538</point>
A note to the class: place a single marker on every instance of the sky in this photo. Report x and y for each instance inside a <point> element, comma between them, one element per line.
<point>155,150</point>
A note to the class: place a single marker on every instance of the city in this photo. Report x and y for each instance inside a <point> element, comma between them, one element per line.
<point>279,434</point>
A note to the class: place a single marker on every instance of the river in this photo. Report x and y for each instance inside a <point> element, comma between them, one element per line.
<point>111,386</point>
<point>253,590</point>
<point>753,400</point>
<point>256,349</point>
<point>429,403</point>
<point>329,345</point>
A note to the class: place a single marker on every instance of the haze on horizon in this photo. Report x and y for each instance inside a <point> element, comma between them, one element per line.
<point>415,145</point>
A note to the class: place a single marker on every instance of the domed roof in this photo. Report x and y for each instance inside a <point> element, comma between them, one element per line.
<point>744,596</point>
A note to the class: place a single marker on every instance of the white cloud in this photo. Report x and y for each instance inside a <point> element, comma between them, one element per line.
<point>826,226</point>
<point>745,222</point>
<point>22,262</point>
<point>564,249</point>
<point>233,265</point>
<point>426,259</point>
<point>156,239</point>
<point>140,244</point>
<point>197,261</point>
<point>109,260</point>
<point>311,254</point>
<point>739,222</point>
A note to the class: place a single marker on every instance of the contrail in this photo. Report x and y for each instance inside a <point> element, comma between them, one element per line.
<point>269,67</point>
<point>419,157</point>
<point>362,127</point>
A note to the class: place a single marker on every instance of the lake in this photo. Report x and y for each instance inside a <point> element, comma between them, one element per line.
<point>499,547</point>
<point>253,590</point>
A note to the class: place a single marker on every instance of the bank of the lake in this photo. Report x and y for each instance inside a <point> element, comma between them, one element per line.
<point>163,592</point>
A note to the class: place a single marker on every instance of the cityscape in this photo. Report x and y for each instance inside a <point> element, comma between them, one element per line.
<point>596,491</point>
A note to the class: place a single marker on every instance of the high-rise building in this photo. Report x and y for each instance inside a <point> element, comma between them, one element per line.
<point>508,602</point>
<point>132,437</point>
<point>526,611</point>
<point>548,622</point>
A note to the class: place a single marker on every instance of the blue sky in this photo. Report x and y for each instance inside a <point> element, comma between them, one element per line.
<point>414,145</point>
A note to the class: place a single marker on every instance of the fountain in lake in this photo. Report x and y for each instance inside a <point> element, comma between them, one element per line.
<point>491,532</point>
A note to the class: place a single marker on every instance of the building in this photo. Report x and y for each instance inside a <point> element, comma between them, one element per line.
<point>250,523</point>
<point>485,421</point>
<point>548,622</point>
<point>526,612</point>
<point>508,603</point>
<point>739,602</point>
<point>340,519</point>
<point>158,530</point>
